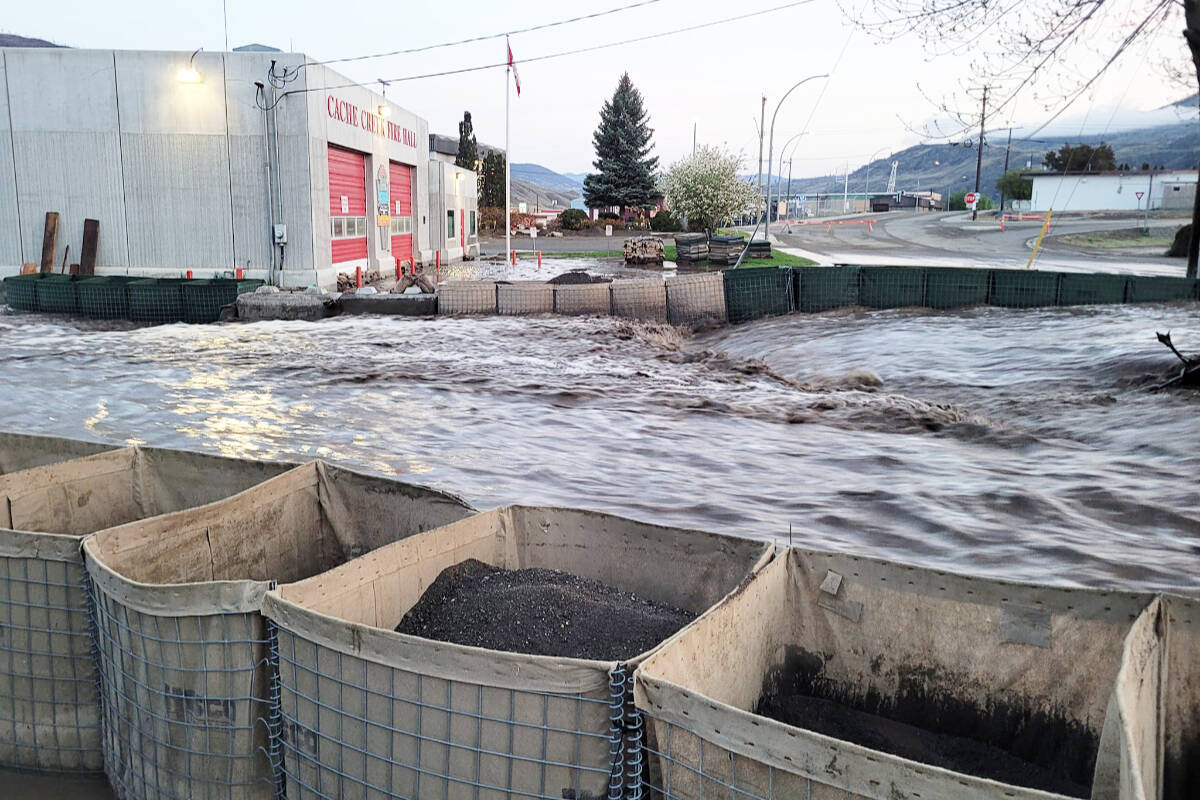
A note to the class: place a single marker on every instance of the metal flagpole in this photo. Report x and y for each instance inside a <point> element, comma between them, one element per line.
<point>507,161</point>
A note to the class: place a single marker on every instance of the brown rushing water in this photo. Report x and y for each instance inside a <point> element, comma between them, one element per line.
<point>1019,444</point>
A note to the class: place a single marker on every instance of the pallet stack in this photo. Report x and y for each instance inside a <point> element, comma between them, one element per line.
<point>690,248</point>
<point>725,249</point>
<point>759,248</point>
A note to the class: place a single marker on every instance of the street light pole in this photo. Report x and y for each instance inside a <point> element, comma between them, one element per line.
<point>782,154</point>
<point>771,149</point>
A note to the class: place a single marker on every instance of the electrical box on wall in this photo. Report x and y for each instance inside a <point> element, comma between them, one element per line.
<point>280,231</point>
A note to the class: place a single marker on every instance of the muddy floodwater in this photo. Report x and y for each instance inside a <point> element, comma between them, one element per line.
<point>1018,444</point>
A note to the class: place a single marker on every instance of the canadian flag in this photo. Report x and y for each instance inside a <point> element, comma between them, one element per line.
<point>513,67</point>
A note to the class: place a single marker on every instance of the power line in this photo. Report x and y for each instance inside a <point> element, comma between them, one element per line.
<point>549,56</point>
<point>489,36</point>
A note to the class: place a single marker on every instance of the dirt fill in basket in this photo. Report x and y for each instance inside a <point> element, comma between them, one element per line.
<point>185,662</point>
<point>20,291</point>
<point>104,297</point>
<point>583,298</point>
<point>203,299</point>
<point>1023,288</point>
<point>956,287</point>
<point>826,288</point>
<point>156,300</point>
<point>892,287</point>
<point>888,668</point>
<point>1160,289</point>
<point>753,293</point>
<point>696,300</point>
<point>58,294</point>
<point>519,298</point>
<point>48,703</point>
<point>467,297</point>
<point>640,299</point>
<point>1077,289</point>
<point>368,712</point>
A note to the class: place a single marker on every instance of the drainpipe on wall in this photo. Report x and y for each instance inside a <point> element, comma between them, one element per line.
<point>270,185</point>
<point>278,179</point>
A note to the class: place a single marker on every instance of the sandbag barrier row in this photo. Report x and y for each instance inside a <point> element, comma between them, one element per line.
<point>218,678</point>
<point>119,297</point>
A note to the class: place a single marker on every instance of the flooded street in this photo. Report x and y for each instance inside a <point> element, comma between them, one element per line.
<point>1020,444</point>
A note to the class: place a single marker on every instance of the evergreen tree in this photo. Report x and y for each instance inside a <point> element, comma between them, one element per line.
<point>624,168</point>
<point>468,148</point>
<point>491,181</point>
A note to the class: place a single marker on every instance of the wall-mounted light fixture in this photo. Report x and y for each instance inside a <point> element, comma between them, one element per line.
<point>384,109</point>
<point>190,74</point>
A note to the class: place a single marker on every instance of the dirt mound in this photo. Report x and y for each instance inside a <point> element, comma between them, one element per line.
<point>539,612</point>
<point>917,744</point>
<point>577,276</point>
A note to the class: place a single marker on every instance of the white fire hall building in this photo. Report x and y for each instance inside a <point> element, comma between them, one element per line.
<point>266,162</point>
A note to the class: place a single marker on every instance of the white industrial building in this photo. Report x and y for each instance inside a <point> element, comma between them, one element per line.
<point>212,162</point>
<point>1113,191</point>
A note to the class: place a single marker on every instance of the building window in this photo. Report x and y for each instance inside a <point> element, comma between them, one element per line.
<point>348,227</point>
<point>401,226</point>
<point>449,224</point>
<point>473,228</point>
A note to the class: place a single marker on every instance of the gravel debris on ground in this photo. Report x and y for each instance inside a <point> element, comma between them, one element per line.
<point>539,612</point>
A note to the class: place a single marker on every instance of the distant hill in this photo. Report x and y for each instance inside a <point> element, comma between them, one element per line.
<point>942,167</point>
<point>12,40</point>
<point>540,176</point>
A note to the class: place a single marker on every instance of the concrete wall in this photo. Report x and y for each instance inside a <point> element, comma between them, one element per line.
<point>174,172</point>
<point>401,136</point>
<point>1108,191</point>
<point>453,189</point>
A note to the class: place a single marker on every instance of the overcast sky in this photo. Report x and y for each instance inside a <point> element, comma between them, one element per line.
<point>713,78</point>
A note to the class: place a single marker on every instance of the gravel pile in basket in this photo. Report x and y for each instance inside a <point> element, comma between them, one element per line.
<point>539,612</point>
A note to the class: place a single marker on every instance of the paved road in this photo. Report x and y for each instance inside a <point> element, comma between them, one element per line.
<point>951,239</point>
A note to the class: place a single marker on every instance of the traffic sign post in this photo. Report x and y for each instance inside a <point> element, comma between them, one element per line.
<point>971,199</point>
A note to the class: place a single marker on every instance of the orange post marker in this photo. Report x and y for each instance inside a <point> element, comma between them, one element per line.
<point>514,258</point>
<point>539,258</point>
<point>358,277</point>
<point>399,269</point>
<point>189,274</point>
<point>239,273</point>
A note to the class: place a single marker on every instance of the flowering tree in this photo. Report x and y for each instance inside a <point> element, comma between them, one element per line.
<point>706,188</point>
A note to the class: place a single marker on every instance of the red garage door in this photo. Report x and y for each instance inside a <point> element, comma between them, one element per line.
<point>400,182</point>
<point>348,204</point>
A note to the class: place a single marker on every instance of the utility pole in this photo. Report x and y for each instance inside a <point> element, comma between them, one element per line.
<point>789,193</point>
<point>762,121</point>
<point>979,157</point>
<point>1007,150</point>
<point>846,191</point>
<point>694,124</point>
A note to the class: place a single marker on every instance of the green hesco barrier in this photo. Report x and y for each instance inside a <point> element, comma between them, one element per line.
<point>892,287</point>
<point>955,287</point>
<point>751,293</point>
<point>825,288</point>
<point>203,299</point>
<point>1083,289</point>
<point>156,300</point>
<point>1023,288</point>
<point>1160,289</point>
<point>58,294</point>
<point>104,297</point>
<point>20,291</point>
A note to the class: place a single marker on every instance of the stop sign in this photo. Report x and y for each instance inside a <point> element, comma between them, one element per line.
<point>970,198</point>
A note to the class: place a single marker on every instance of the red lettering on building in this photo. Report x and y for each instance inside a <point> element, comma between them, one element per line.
<point>352,115</point>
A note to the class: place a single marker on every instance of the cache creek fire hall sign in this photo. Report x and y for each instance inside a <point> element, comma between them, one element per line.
<point>346,112</point>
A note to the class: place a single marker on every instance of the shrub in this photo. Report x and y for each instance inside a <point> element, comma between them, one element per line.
<point>609,215</point>
<point>573,219</point>
<point>1182,237</point>
<point>664,222</point>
